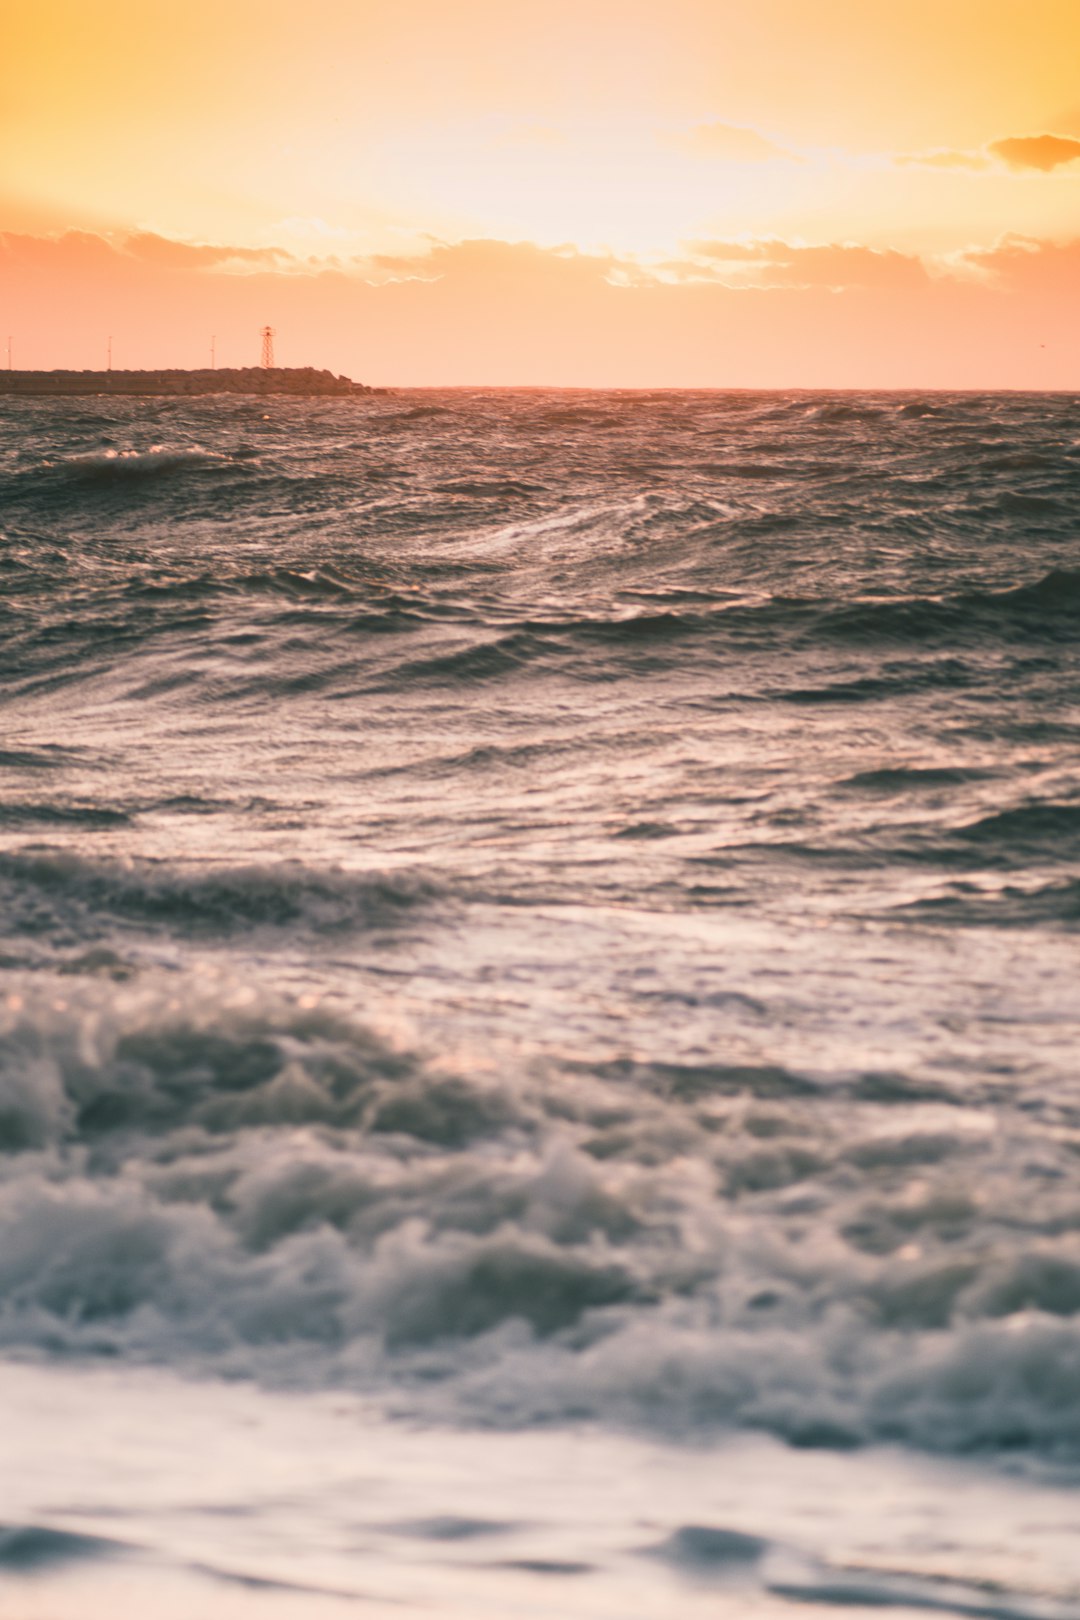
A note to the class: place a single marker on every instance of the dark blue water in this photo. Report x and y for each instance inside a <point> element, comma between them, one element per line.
<point>546,908</point>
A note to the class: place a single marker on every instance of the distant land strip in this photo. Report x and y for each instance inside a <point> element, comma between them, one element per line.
<point>223,380</point>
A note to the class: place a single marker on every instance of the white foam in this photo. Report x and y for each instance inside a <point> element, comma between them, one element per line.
<point>157,458</point>
<point>203,1175</point>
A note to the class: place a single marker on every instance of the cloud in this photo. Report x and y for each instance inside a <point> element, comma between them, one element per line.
<point>943,160</point>
<point>79,250</point>
<point>1022,263</point>
<point>836,266</point>
<point>523,270</point>
<point>731,144</point>
<point>1042,152</point>
<point>762,264</point>
<point>90,252</point>
<point>483,259</point>
<point>1039,152</point>
<point>175,255</point>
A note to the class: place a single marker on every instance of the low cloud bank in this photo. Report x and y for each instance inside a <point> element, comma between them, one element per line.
<point>762,313</point>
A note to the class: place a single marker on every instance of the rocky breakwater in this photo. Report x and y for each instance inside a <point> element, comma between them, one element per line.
<point>299,380</point>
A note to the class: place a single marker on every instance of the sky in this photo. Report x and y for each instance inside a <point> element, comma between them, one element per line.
<point>703,193</point>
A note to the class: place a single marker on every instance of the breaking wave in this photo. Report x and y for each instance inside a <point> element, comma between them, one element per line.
<point>199,1175</point>
<point>57,892</point>
<point>159,460</point>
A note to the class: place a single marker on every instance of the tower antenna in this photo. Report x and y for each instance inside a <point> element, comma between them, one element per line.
<point>267,348</point>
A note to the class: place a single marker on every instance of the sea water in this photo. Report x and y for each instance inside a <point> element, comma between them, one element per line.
<point>539,1010</point>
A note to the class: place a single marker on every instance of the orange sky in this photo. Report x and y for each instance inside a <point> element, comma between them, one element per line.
<point>703,192</point>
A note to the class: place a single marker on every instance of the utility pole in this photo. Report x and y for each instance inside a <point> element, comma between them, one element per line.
<point>267,361</point>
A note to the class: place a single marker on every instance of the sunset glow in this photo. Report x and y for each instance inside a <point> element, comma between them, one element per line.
<point>704,193</point>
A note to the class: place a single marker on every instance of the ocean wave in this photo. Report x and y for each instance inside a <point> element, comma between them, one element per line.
<point>489,489</point>
<point>50,813</point>
<point>414,413</point>
<point>892,779</point>
<point>58,892</point>
<point>920,408</point>
<point>972,621</point>
<point>762,1564</point>
<point>159,460</point>
<point>1036,834</point>
<point>1042,829</point>
<point>50,757</point>
<point>1045,608</point>
<point>848,411</point>
<point>197,1174</point>
<point>32,1548</point>
<point>1040,906</point>
<point>1042,832</point>
<point>1031,504</point>
<point>478,1298</point>
<point>148,1064</point>
<point>573,416</point>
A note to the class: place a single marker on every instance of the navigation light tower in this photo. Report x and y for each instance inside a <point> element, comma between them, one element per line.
<point>267,348</point>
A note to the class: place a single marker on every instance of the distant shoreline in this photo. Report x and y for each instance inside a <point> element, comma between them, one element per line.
<point>303,381</point>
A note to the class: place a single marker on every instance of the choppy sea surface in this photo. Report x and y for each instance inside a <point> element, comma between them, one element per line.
<point>539,1005</point>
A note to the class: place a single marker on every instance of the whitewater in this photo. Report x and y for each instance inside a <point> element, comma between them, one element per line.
<point>538,1005</point>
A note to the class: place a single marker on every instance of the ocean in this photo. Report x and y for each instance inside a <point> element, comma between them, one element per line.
<point>539,1006</point>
